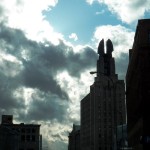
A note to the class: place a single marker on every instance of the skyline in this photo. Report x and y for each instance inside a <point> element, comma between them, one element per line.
<point>47,50</point>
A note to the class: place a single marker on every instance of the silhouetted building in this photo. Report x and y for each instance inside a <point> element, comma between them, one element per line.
<point>19,136</point>
<point>138,88</point>
<point>74,138</point>
<point>103,109</point>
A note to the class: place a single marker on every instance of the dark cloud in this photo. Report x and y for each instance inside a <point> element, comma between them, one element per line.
<point>37,76</point>
<point>36,67</point>
<point>7,99</point>
<point>81,62</point>
<point>62,57</point>
<point>47,107</point>
<point>13,41</point>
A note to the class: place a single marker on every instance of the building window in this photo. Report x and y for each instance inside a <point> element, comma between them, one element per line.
<point>28,130</point>
<point>23,130</point>
<point>33,138</point>
<point>33,130</point>
<point>22,137</point>
<point>28,137</point>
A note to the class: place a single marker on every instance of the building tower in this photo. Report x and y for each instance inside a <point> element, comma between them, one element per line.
<point>104,107</point>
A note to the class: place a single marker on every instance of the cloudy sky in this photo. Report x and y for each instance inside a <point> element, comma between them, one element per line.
<point>48,48</point>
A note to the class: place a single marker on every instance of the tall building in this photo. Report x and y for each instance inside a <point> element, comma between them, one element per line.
<point>19,136</point>
<point>103,109</point>
<point>74,138</point>
<point>138,88</point>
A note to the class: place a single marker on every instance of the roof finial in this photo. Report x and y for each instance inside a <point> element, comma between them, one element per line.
<point>101,47</point>
<point>109,46</point>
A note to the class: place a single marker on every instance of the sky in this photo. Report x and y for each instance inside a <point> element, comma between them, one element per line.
<point>48,48</point>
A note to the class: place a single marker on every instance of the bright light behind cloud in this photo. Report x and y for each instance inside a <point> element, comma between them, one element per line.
<point>121,37</point>
<point>80,48</point>
<point>55,134</point>
<point>24,92</point>
<point>77,88</point>
<point>27,16</point>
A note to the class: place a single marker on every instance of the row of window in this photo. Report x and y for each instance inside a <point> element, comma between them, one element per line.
<point>28,130</point>
<point>105,148</point>
<point>28,138</point>
<point>26,149</point>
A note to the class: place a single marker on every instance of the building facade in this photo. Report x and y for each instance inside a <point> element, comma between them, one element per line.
<point>74,138</point>
<point>103,109</point>
<point>19,136</point>
<point>138,88</point>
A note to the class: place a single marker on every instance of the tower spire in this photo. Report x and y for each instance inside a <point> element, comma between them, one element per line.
<point>105,63</point>
<point>101,47</point>
<point>109,47</point>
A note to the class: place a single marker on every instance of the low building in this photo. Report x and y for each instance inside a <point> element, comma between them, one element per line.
<point>19,136</point>
<point>74,138</point>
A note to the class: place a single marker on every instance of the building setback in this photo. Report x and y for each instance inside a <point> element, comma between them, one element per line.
<point>138,88</point>
<point>103,109</point>
<point>74,138</point>
<point>19,136</point>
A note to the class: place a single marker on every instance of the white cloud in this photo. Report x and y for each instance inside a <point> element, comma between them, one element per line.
<point>27,16</point>
<point>73,36</point>
<point>100,12</point>
<point>9,65</point>
<point>56,135</point>
<point>128,11</point>
<point>90,1</point>
<point>122,38</point>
